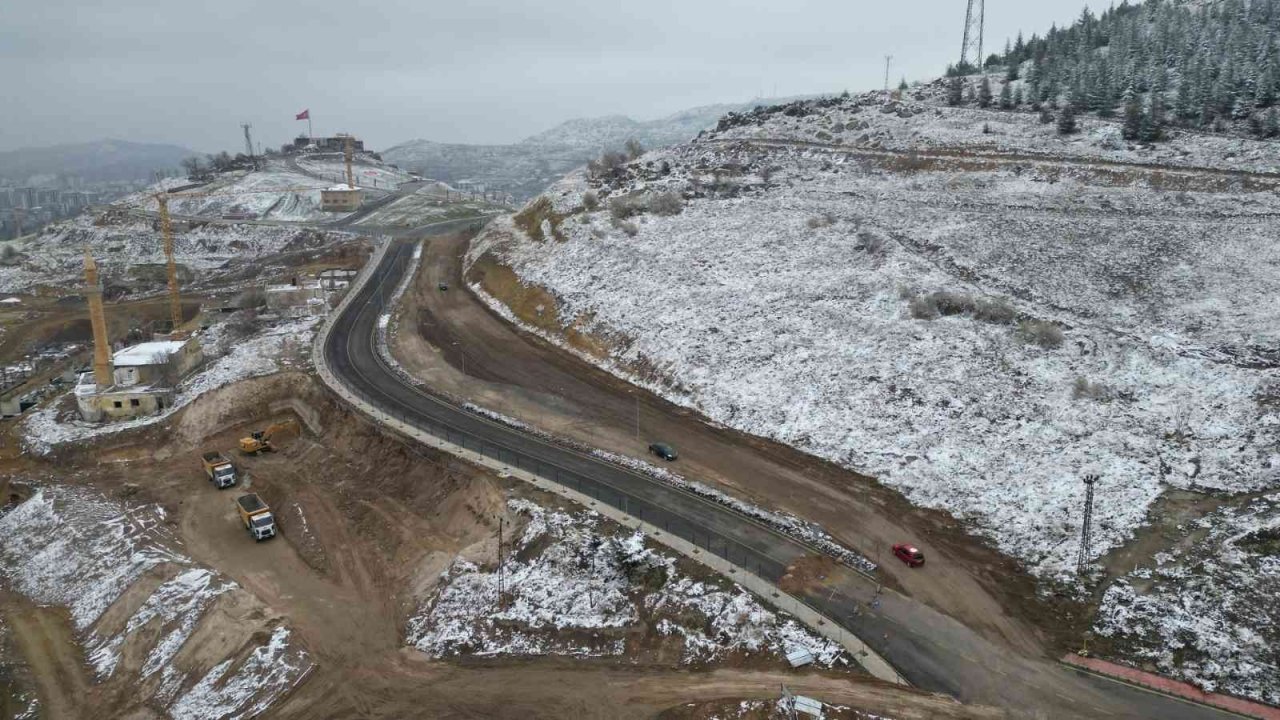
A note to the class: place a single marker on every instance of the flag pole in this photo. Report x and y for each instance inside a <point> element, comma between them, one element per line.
<point>309,133</point>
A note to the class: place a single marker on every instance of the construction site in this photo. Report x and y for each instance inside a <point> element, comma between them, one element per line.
<point>284,555</point>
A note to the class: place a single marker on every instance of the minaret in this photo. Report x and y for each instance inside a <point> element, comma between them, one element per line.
<point>98,318</point>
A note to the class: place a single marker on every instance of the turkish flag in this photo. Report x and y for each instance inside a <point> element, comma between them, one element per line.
<point>304,115</point>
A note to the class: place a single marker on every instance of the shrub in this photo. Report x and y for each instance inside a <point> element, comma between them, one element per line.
<point>922,308</point>
<point>1038,332</point>
<point>870,243</point>
<point>1082,388</point>
<point>621,208</point>
<point>949,303</point>
<point>666,203</point>
<point>945,303</point>
<point>634,149</point>
<point>996,312</point>
<point>590,200</point>
<point>627,227</point>
<point>820,221</point>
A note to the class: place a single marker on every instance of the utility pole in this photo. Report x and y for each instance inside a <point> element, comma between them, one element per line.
<point>974,22</point>
<point>501,576</point>
<point>888,61</point>
<point>1086,527</point>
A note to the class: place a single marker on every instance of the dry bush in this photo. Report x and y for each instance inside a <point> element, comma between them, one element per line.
<point>1083,389</point>
<point>922,308</point>
<point>871,244</point>
<point>945,303</point>
<point>666,203</point>
<point>627,227</point>
<point>621,208</point>
<point>996,312</point>
<point>820,221</point>
<point>590,200</point>
<point>1042,333</point>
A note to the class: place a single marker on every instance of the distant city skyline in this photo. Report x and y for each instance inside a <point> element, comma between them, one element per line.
<point>481,72</point>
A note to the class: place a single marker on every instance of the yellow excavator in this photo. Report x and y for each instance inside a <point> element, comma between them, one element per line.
<point>261,441</point>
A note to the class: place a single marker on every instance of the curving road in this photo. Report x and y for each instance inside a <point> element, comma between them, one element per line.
<point>934,652</point>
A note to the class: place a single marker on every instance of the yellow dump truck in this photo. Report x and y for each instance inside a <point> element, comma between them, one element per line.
<point>219,469</point>
<point>256,516</point>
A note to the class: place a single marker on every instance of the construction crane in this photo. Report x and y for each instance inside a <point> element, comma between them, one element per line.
<point>166,234</point>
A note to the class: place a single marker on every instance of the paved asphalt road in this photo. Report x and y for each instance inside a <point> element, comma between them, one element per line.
<point>934,652</point>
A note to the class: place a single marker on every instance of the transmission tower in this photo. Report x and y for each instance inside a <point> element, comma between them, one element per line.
<point>974,21</point>
<point>1086,527</point>
<point>248,143</point>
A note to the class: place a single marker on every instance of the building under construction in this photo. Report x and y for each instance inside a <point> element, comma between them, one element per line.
<point>133,381</point>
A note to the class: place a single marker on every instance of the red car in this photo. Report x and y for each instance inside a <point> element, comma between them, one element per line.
<point>909,554</point>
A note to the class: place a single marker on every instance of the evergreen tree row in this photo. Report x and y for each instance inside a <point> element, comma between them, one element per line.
<point>1160,62</point>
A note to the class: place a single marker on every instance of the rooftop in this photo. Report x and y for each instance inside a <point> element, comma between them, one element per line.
<point>147,353</point>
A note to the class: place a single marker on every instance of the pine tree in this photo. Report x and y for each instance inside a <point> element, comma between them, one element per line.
<point>1133,115</point>
<point>1217,61</point>
<point>984,92</point>
<point>1272,125</point>
<point>955,92</point>
<point>1067,119</point>
<point>1006,97</point>
<point>903,86</point>
<point>1017,97</point>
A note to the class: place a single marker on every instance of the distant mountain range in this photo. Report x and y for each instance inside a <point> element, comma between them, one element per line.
<point>102,160</point>
<point>528,167</point>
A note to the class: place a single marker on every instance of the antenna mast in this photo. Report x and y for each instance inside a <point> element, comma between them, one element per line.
<point>974,22</point>
<point>888,60</point>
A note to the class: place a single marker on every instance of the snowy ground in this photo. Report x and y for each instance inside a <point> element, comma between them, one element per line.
<point>274,193</point>
<point>978,332</point>
<point>1206,612</point>
<point>122,244</point>
<point>921,122</point>
<point>580,588</point>
<point>75,548</point>
<point>425,206</point>
<point>368,174</point>
<point>276,347</point>
<point>748,313</point>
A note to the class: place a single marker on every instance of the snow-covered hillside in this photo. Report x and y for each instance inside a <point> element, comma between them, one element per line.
<point>958,302</point>
<point>274,193</point>
<point>122,245</point>
<point>976,334</point>
<point>74,548</point>
<point>578,589</point>
<point>368,172</point>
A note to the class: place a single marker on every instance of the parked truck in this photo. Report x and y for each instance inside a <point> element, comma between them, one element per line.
<point>256,516</point>
<point>219,469</point>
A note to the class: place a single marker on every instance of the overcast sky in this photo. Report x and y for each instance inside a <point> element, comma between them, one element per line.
<point>477,71</point>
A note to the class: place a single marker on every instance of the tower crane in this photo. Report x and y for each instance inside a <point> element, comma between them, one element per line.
<point>166,233</point>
